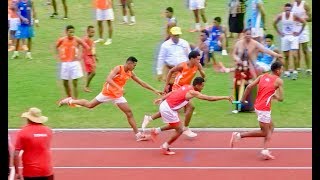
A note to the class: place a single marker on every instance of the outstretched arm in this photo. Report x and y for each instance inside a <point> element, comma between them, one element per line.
<point>196,94</point>
<point>248,89</point>
<point>268,51</point>
<point>144,84</point>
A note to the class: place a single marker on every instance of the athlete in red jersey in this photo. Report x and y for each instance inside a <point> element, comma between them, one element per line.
<point>269,87</point>
<point>175,100</point>
<point>186,72</point>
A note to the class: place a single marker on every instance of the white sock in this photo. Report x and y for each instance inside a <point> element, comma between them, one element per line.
<point>165,145</point>
<point>133,19</point>
<point>158,130</point>
<point>238,136</point>
<point>149,118</point>
<point>138,134</point>
<point>125,18</point>
<point>265,151</point>
<point>295,72</point>
<point>198,26</point>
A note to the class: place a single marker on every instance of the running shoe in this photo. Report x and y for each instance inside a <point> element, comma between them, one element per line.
<point>234,138</point>
<point>189,133</point>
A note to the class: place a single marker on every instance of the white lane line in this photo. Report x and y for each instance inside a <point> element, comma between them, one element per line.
<point>189,167</point>
<point>194,129</point>
<point>134,149</point>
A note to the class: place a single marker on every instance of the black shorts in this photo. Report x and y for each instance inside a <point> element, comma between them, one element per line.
<point>39,178</point>
<point>236,23</point>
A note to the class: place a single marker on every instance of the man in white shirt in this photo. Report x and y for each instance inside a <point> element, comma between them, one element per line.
<point>172,52</point>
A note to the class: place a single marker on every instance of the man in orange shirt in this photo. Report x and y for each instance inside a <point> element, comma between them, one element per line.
<point>89,57</point>
<point>70,66</point>
<point>104,12</point>
<point>112,91</point>
<point>34,140</point>
<point>186,72</point>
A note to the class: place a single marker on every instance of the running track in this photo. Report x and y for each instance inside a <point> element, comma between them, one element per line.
<point>115,155</point>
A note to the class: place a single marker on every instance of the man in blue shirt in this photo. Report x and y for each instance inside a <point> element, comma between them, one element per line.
<point>26,13</point>
<point>255,18</point>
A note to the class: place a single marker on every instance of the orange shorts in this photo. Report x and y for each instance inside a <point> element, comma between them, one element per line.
<point>89,63</point>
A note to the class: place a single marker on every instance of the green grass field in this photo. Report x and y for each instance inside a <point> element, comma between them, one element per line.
<point>34,82</point>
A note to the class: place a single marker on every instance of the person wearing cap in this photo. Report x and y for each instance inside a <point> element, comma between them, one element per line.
<point>34,139</point>
<point>172,52</point>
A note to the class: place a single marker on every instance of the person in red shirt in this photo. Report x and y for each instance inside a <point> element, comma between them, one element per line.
<point>175,100</point>
<point>34,139</point>
<point>89,57</point>
<point>270,86</point>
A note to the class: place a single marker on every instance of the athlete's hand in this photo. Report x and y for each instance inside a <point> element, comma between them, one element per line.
<point>229,98</point>
<point>18,176</point>
<point>157,101</point>
<point>296,34</point>
<point>159,92</point>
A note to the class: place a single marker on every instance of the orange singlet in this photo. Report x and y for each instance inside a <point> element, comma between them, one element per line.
<point>120,79</point>
<point>103,4</point>
<point>185,77</point>
<point>67,49</point>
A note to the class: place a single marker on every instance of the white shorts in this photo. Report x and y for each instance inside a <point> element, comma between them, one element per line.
<point>264,66</point>
<point>256,32</point>
<point>263,116</point>
<point>304,36</point>
<point>196,4</point>
<point>104,14</point>
<point>168,115</point>
<point>103,99</point>
<point>289,42</point>
<point>70,70</point>
<point>14,24</point>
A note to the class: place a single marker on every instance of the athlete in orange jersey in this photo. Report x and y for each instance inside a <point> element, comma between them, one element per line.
<point>175,100</point>
<point>113,91</point>
<point>270,86</point>
<point>70,66</point>
<point>186,72</point>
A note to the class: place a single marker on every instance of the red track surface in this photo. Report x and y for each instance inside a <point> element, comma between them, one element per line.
<point>225,164</point>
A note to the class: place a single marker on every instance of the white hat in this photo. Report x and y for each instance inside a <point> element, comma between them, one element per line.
<point>34,114</point>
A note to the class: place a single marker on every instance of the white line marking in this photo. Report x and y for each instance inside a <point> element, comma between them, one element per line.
<point>133,149</point>
<point>194,129</point>
<point>187,167</point>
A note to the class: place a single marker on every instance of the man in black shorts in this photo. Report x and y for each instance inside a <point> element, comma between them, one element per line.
<point>236,16</point>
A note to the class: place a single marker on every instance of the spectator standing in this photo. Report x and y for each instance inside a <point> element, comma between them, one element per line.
<point>34,139</point>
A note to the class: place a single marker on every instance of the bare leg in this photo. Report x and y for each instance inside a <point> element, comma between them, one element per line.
<point>110,28</point>
<point>54,5</point>
<point>29,44</point>
<point>66,87</point>
<point>295,59</point>
<point>85,103</point>
<point>188,114</point>
<point>286,60</point>
<point>130,9</point>
<point>196,15</point>
<point>179,130</point>
<point>124,107</point>
<point>203,15</point>
<point>263,132</point>
<point>75,88</point>
<point>306,54</point>
<point>100,29</point>
<point>89,78</point>
<point>65,7</point>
